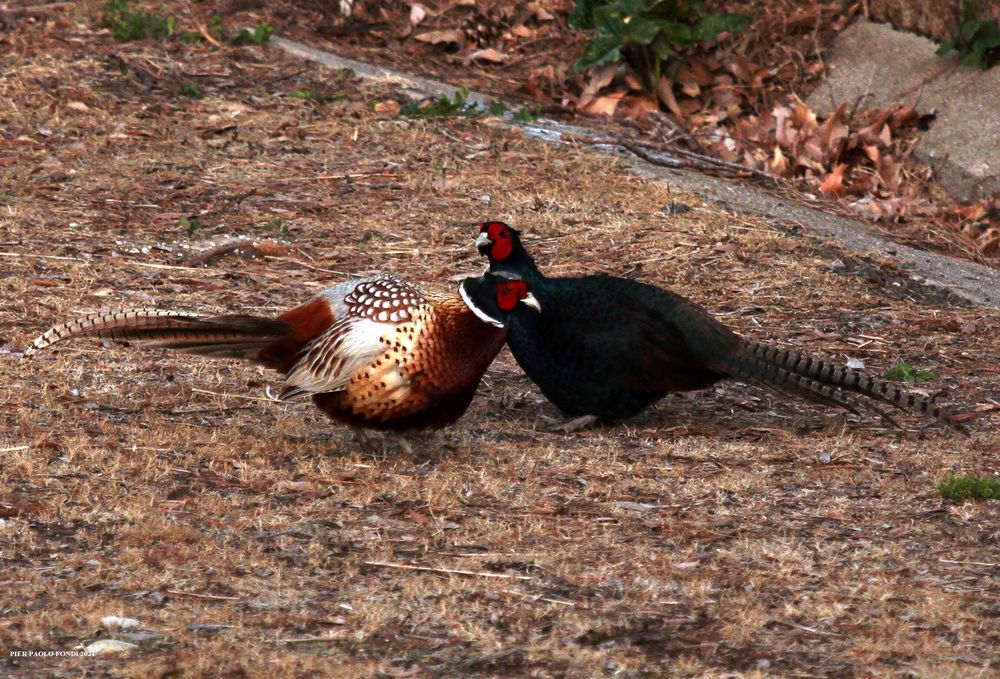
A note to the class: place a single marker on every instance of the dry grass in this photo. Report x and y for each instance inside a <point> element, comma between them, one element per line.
<point>725,532</point>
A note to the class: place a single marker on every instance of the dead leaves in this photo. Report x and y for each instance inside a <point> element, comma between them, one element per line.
<point>734,108</point>
<point>979,221</point>
<point>488,54</point>
<point>388,108</point>
<point>626,98</point>
<point>830,155</point>
<point>485,33</point>
<point>605,105</point>
<point>450,37</point>
<point>833,184</point>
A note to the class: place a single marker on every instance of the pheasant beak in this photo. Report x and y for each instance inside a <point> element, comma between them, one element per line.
<point>483,243</point>
<point>532,302</point>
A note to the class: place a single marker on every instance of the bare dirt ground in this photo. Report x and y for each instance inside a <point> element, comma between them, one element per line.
<point>724,533</point>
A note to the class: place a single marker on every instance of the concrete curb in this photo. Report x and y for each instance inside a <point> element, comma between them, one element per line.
<point>970,281</point>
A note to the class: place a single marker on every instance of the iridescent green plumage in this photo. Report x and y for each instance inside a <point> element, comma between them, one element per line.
<point>609,346</point>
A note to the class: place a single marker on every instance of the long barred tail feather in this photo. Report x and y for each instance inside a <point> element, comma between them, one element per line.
<point>789,383</point>
<point>826,382</point>
<point>227,336</point>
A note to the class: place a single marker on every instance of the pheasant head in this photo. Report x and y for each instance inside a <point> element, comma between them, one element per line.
<point>501,244</point>
<point>492,297</point>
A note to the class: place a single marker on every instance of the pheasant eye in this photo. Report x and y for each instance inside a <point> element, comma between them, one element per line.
<point>510,293</point>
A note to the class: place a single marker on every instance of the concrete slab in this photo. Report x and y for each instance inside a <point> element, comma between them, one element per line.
<point>886,67</point>
<point>967,281</point>
<point>413,86</point>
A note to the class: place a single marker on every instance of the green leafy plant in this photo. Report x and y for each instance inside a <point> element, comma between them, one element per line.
<point>976,41</point>
<point>191,90</point>
<point>646,33</point>
<point>260,34</point>
<point>312,95</point>
<point>444,107</point>
<point>527,114</point>
<point>191,225</point>
<point>458,105</point>
<point>961,488</point>
<point>215,26</point>
<point>276,226</point>
<point>497,108</point>
<point>129,24</point>
<point>904,372</point>
<point>214,29</point>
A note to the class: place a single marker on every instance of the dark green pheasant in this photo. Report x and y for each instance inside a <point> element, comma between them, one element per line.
<point>609,347</point>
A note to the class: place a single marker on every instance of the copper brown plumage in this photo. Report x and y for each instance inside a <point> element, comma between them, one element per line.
<point>374,352</point>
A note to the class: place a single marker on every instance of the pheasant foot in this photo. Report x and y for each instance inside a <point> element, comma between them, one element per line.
<point>574,425</point>
<point>372,447</point>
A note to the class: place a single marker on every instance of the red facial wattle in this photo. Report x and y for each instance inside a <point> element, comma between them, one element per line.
<point>510,293</point>
<point>501,238</point>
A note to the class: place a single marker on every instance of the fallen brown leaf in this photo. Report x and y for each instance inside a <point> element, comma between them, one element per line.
<point>417,13</point>
<point>389,108</point>
<point>599,79</point>
<point>665,91</point>
<point>604,105</point>
<point>833,183</point>
<point>453,36</point>
<point>488,54</point>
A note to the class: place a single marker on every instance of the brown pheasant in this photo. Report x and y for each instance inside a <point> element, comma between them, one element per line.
<point>373,352</point>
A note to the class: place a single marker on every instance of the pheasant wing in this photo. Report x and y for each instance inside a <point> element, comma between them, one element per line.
<point>369,311</point>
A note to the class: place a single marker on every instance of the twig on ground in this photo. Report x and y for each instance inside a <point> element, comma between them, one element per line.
<point>28,10</point>
<point>306,265</point>
<point>243,396</point>
<point>538,597</point>
<point>196,595</point>
<point>811,630</point>
<point>321,177</point>
<point>37,256</point>
<point>971,563</point>
<point>306,640</point>
<point>451,571</point>
<point>171,267</point>
<point>200,25</point>
<point>223,248</point>
<point>680,157</point>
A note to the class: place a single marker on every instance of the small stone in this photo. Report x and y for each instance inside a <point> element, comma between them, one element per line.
<point>118,622</point>
<point>140,637</point>
<point>855,364</point>
<point>108,646</point>
<point>675,209</point>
